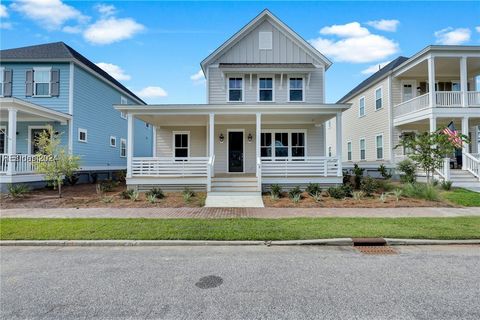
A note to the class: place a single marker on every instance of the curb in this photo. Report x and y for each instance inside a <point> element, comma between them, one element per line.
<point>316,242</point>
<point>406,242</point>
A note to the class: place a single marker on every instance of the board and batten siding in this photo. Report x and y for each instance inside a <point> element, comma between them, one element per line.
<point>19,71</point>
<point>93,101</point>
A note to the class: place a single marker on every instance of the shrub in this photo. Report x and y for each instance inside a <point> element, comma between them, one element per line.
<point>347,190</point>
<point>108,185</point>
<point>187,194</point>
<point>386,173</point>
<point>274,196</point>
<point>317,197</point>
<point>134,196</point>
<point>294,192</point>
<point>347,177</point>
<point>420,191</point>
<point>384,185</point>
<point>276,190</point>
<point>156,192</point>
<point>152,198</point>
<point>358,172</point>
<point>313,188</point>
<point>201,201</point>
<point>408,168</point>
<point>369,186</point>
<point>435,182</point>
<point>72,179</point>
<point>107,199</point>
<point>383,198</point>
<point>397,193</point>
<point>296,198</point>
<point>446,185</point>
<point>126,194</point>
<point>120,175</point>
<point>358,195</point>
<point>17,190</point>
<point>336,192</point>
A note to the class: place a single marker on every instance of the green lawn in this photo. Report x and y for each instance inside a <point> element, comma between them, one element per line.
<point>463,197</point>
<point>239,229</point>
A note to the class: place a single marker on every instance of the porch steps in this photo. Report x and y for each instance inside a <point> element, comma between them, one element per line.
<point>234,184</point>
<point>457,175</point>
<point>234,192</point>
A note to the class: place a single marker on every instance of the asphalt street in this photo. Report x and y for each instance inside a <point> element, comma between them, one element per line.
<point>424,282</point>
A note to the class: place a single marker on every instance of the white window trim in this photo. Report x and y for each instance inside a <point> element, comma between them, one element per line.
<point>273,87</point>
<point>80,130</point>
<point>123,100</point>
<point>375,97</point>
<point>360,148</point>
<point>364,107</point>
<point>110,141</point>
<point>29,140</point>
<point>2,73</point>
<point>34,83</point>
<point>173,143</point>
<point>270,33</point>
<point>123,141</point>
<point>5,142</point>
<point>303,88</point>
<point>351,150</point>
<point>289,131</point>
<point>228,88</point>
<point>376,147</point>
<point>414,88</point>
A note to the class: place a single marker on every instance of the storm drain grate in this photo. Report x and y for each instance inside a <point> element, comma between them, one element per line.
<point>376,250</point>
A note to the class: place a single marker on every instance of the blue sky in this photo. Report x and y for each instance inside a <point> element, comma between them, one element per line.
<point>155,47</point>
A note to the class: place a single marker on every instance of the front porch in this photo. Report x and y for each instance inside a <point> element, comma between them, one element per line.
<point>234,148</point>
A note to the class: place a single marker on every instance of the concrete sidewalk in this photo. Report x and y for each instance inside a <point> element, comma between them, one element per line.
<point>215,213</point>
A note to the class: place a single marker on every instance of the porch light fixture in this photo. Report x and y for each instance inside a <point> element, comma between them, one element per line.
<point>249,138</point>
<point>221,137</point>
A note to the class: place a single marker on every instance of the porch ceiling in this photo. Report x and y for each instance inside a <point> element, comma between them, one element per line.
<point>444,67</point>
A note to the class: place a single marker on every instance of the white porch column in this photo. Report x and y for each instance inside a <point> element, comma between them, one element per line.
<point>464,145</point>
<point>211,134</point>
<point>431,82</point>
<point>12,137</point>
<point>464,81</point>
<point>338,126</point>
<point>433,124</point>
<point>258,131</point>
<point>130,129</point>
<point>154,141</point>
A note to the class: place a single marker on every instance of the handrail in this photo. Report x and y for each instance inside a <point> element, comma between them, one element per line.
<point>444,170</point>
<point>170,167</point>
<point>448,98</point>
<point>304,166</point>
<point>472,164</point>
<point>210,170</point>
<point>412,105</point>
<point>259,173</point>
<point>473,98</point>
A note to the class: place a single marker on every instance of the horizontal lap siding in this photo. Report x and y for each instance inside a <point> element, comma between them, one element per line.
<point>59,103</point>
<point>198,146</point>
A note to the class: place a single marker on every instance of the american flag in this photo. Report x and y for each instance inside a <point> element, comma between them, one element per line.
<point>453,135</point>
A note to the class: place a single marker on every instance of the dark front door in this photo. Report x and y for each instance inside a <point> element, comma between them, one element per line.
<point>235,151</point>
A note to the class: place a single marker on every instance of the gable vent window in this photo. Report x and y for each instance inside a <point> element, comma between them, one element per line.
<point>265,40</point>
<point>235,89</point>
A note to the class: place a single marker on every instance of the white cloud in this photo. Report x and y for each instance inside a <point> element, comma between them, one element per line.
<point>477,28</point>
<point>114,70</point>
<point>357,44</point>
<point>198,78</point>
<point>5,25</point>
<point>152,93</point>
<point>450,36</point>
<point>106,9</point>
<point>375,67</point>
<point>384,25</point>
<point>352,29</point>
<point>3,11</point>
<point>50,14</point>
<point>72,29</point>
<point>110,30</point>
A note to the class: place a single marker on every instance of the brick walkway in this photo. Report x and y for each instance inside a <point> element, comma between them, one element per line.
<point>214,213</point>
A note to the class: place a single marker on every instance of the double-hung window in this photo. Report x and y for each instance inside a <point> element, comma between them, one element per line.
<point>285,144</point>
<point>2,71</point>
<point>266,144</point>
<point>181,144</point>
<point>123,148</point>
<point>361,107</point>
<point>41,80</point>
<point>281,144</point>
<point>349,151</point>
<point>379,146</point>
<point>265,89</point>
<point>378,99</point>
<point>235,89</point>
<point>362,149</point>
<point>298,144</point>
<point>295,89</point>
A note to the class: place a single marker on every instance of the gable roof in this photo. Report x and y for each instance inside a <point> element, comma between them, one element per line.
<point>60,51</point>
<point>373,78</point>
<point>264,15</point>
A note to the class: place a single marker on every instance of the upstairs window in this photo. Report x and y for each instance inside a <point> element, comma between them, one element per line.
<point>265,92</point>
<point>235,89</point>
<point>41,78</point>
<point>296,89</point>
<point>362,149</point>
<point>123,100</point>
<point>361,107</point>
<point>180,144</point>
<point>2,70</point>
<point>378,99</point>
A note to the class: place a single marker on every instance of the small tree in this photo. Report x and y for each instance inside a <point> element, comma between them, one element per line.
<point>58,162</point>
<point>430,148</point>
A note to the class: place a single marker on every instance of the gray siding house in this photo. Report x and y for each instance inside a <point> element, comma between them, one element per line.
<point>263,122</point>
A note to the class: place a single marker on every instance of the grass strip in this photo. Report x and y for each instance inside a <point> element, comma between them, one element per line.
<point>238,229</point>
<point>463,197</point>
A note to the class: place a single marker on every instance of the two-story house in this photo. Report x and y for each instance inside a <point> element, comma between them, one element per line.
<point>52,84</point>
<point>263,122</point>
<point>425,92</point>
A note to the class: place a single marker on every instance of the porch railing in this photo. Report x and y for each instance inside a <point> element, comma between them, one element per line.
<point>444,170</point>
<point>17,163</point>
<point>472,164</point>
<point>473,98</point>
<point>294,167</point>
<point>170,167</point>
<point>449,98</point>
<point>415,104</point>
<point>210,171</point>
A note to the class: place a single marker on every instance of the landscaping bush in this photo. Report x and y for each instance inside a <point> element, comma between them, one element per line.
<point>357,195</point>
<point>126,194</point>
<point>358,175</point>
<point>120,175</point>
<point>446,185</point>
<point>187,194</point>
<point>107,199</point>
<point>347,190</point>
<point>151,198</point>
<point>317,197</point>
<point>368,186</point>
<point>336,192</point>
<point>155,192</point>
<point>296,198</point>
<point>384,186</point>
<point>386,173</point>
<point>383,198</point>
<point>72,179</point>
<point>134,196</point>
<point>408,168</point>
<point>17,190</point>
<point>397,193</point>
<point>435,182</point>
<point>294,192</point>
<point>275,191</point>
<point>313,188</point>
<point>108,185</point>
<point>347,177</point>
<point>421,191</point>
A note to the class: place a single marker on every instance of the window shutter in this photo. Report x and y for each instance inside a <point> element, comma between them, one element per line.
<point>7,83</point>
<point>29,83</point>
<point>55,83</point>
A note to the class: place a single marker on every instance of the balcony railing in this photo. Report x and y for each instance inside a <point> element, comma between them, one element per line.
<point>412,105</point>
<point>449,98</point>
<point>473,98</point>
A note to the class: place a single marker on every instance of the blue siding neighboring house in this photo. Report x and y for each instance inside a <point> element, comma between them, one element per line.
<point>54,84</point>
